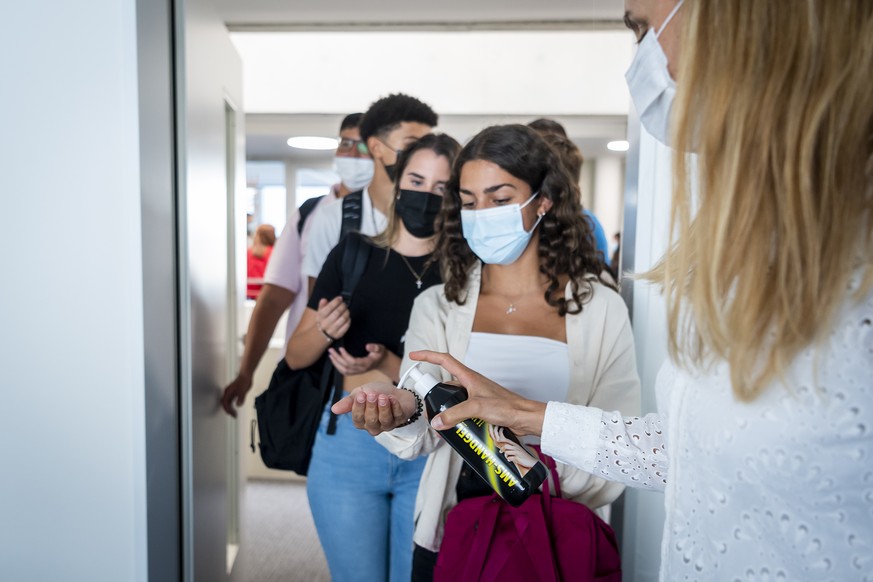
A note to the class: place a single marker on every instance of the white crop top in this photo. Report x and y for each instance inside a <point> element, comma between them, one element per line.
<point>537,368</point>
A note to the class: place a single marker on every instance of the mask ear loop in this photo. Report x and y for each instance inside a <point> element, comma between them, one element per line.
<point>529,200</point>
<point>540,215</point>
<point>537,223</point>
<point>669,18</point>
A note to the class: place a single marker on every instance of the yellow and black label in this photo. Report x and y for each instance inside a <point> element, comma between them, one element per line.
<point>494,467</point>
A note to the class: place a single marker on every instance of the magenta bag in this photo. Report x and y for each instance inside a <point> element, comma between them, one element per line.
<point>549,539</point>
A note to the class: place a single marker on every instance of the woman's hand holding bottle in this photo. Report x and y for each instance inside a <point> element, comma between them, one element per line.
<point>378,406</point>
<point>486,400</point>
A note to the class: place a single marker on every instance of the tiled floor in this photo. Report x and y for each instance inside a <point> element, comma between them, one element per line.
<point>279,540</point>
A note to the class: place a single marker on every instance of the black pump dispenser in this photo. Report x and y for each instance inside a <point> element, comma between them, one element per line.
<point>484,447</point>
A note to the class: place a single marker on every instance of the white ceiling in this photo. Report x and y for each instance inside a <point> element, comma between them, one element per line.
<point>455,72</point>
<point>273,123</point>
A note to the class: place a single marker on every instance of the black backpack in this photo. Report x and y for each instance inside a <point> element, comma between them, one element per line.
<point>305,210</point>
<point>289,410</point>
<point>353,205</point>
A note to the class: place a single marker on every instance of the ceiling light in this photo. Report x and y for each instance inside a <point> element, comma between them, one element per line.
<point>311,142</point>
<point>618,146</point>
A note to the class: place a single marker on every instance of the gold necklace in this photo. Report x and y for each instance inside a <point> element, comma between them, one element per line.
<point>414,274</point>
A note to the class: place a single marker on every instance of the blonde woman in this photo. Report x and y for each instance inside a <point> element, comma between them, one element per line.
<point>764,436</point>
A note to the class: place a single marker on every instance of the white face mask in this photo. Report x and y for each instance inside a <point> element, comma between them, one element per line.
<point>651,86</point>
<point>497,235</point>
<point>355,173</point>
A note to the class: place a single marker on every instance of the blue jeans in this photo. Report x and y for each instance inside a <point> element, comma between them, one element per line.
<point>362,499</point>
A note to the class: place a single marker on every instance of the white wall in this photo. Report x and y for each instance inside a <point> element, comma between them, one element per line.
<point>72,495</point>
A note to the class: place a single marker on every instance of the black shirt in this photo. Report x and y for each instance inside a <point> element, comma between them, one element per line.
<point>382,301</point>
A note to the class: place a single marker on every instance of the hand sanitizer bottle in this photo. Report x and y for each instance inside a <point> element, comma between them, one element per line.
<point>494,452</point>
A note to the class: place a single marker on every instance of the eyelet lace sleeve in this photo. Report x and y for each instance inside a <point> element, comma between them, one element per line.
<point>630,450</point>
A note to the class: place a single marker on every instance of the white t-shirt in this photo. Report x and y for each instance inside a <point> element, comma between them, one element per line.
<point>325,230</point>
<point>284,266</point>
<point>536,368</point>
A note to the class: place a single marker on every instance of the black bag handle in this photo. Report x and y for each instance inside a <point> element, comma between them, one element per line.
<point>355,256</point>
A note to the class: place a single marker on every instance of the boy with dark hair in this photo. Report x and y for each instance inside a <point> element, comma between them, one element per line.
<point>389,112</point>
<point>389,125</point>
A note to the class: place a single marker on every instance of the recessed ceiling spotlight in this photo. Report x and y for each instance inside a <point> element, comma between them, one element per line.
<point>311,142</point>
<point>619,145</point>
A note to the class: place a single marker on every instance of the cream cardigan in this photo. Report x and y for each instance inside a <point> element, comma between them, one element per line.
<point>602,373</point>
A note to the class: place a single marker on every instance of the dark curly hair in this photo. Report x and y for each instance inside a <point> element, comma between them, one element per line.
<point>568,151</point>
<point>388,112</point>
<point>566,247</point>
<point>545,126</point>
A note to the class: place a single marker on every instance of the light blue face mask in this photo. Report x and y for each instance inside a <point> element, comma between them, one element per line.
<point>651,86</point>
<point>497,235</point>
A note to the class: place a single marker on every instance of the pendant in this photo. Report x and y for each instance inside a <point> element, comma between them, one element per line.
<point>511,309</point>
<point>418,283</point>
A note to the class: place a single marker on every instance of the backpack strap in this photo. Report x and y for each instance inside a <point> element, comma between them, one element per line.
<point>305,210</point>
<point>353,210</point>
<point>355,257</point>
<point>356,254</point>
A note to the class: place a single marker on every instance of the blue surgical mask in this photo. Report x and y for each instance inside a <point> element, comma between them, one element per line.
<point>651,86</point>
<point>497,235</point>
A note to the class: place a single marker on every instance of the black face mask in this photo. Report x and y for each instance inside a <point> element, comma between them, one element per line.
<point>418,211</point>
<point>391,171</point>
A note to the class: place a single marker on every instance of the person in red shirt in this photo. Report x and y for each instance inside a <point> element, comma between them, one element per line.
<point>258,255</point>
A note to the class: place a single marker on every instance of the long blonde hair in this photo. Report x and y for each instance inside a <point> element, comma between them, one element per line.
<point>777,98</point>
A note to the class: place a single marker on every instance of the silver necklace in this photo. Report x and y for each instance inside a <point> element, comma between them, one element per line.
<point>414,274</point>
